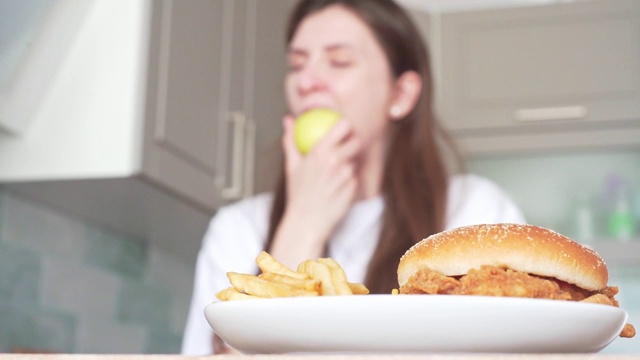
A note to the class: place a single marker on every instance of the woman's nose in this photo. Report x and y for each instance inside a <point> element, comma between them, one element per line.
<point>311,79</point>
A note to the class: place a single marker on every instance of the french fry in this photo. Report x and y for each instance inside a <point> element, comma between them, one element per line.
<point>267,263</point>
<point>358,289</point>
<point>253,285</point>
<point>306,284</point>
<point>312,278</point>
<point>233,294</point>
<point>338,276</point>
<point>318,271</point>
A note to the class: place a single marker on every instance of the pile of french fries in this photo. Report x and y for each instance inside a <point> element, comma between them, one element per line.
<point>312,278</point>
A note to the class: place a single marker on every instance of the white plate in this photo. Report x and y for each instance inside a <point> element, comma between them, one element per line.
<point>414,324</point>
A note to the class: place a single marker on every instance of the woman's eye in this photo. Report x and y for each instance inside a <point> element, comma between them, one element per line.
<point>295,66</point>
<point>296,62</point>
<point>341,63</point>
<point>340,58</point>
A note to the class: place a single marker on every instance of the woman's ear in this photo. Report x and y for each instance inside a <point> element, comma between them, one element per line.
<point>407,91</point>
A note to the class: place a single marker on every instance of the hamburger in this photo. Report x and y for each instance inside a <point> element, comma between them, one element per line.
<point>507,260</point>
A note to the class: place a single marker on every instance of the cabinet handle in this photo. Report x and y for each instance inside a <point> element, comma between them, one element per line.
<point>234,190</point>
<point>551,113</point>
<point>249,160</point>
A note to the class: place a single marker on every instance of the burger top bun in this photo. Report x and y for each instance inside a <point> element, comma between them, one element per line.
<point>524,248</point>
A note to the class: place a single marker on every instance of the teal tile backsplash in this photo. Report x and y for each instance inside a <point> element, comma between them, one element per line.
<point>68,286</point>
<point>162,341</point>
<point>123,256</point>
<point>20,272</point>
<point>31,226</point>
<point>28,327</point>
<point>144,304</point>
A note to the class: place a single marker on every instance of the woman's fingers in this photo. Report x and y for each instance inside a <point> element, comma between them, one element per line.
<point>340,132</point>
<point>291,153</point>
<point>321,186</point>
<point>327,173</point>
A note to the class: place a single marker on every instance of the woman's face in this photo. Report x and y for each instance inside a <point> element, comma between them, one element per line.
<point>335,61</point>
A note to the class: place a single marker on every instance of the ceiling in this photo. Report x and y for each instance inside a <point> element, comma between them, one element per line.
<point>19,25</point>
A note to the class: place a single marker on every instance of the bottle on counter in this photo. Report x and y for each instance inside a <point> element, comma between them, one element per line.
<point>636,209</point>
<point>584,221</point>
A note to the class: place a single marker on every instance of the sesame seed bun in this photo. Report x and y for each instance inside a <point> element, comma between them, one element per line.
<point>526,248</point>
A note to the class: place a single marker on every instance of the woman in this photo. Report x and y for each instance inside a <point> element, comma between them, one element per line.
<point>374,186</point>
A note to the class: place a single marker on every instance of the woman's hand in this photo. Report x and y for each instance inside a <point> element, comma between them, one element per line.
<point>321,187</point>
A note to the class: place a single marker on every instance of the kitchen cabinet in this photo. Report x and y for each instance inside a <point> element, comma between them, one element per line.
<point>184,111</point>
<point>161,119</point>
<point>214,58</point>
<point>540,77</point>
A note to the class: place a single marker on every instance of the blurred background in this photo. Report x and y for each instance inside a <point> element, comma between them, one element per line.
<point>125,124</point>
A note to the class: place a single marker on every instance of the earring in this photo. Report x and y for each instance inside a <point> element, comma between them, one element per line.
<point>395,111</point>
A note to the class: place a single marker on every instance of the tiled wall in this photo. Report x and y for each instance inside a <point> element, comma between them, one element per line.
<point>547,187</point>
<point>66,286</point>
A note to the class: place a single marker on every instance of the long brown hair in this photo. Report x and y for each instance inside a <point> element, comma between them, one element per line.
<point>414,184</point>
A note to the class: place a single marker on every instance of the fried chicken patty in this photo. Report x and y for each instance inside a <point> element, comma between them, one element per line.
<point>497,281</point>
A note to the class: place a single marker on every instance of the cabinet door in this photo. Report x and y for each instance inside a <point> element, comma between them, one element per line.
<point>236,136</point>
<point>184,92</point>
<point>255,101</point>
<point>268,104</point>
<point>553,74</point>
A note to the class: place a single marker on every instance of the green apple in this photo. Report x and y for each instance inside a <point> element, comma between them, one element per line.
<point>313,125</point>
